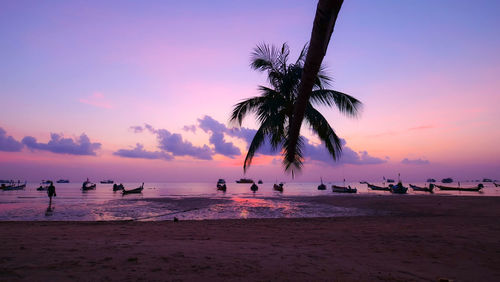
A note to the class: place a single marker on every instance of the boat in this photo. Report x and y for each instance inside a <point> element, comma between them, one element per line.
<point>109,181</point>
<point>447,180</point>
<point>117,187</point>
<point>62,181</point>
<point>260,181</point>
<point>398,188</point>
<point>19,186</point>
<point>470,189</point>
<point>321,186</point>
<point>134,191</point>
<point>388,180</point>
<point>254,187</point>
<point>343,189</point>
<point>363,182</point>
<point>496,184</point>
<point>221,185</point>
<point>431,180</point>
<point>3,186</point>
<point>244,180</point>
<point>487,180</point>
<point>3,181</point>
<point>278,187</point>
<point>378,188</point>
<point>423,189</point>
<point>87,185</point>
<point>43,187</point>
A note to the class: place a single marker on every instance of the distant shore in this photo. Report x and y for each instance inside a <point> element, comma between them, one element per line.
<point>405,238</point>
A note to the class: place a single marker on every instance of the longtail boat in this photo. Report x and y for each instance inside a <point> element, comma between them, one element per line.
<point>87,185</point>
<point>278,187</point>
<point>322,186</point>
<point>398,188</point>
<point>134,191</point>
<point>117,187</point>
<point>43,188</point>
<point>244,180</point>
<point>343,189</point>
<point>378,188</point>
<point>470,189</point>
<point>423,189</point>
<point>13,187</point>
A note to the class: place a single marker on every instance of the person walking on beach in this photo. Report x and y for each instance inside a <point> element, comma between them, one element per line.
<point>51,191</point>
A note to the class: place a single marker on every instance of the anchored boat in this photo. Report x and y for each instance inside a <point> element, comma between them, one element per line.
<point>343,189</point>
<point>470,189</point>
<point>134,191</point>
<point>378,188</point>
<point>278,187</point>
<point>221,185</point>
<point>423,189</point>
<point>87,185</point>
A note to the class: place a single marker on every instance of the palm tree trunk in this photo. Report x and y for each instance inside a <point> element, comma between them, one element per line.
<point>324,22</point>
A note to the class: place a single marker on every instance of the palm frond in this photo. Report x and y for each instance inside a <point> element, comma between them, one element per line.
<point>293,162</point>
<point>302,56</point>
<point>243,108</point>
<point>325,132</point>
<point>283,57</point>
<point>346,104</point>
<point>322,80</point>
<point>264,58</point>
<point>257,142</point>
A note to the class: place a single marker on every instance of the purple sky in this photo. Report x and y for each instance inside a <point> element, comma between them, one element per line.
<point>142,90</point>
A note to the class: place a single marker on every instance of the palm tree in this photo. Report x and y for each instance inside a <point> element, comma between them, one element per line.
<point>274,107</point>
<point>324,22</point>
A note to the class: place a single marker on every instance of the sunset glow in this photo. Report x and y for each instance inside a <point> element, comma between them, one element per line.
<point>132,90</point>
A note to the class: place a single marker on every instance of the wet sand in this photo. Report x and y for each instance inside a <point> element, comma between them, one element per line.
<point>404,238</point>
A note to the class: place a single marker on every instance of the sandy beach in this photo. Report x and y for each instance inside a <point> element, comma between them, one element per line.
<point>405,239</point>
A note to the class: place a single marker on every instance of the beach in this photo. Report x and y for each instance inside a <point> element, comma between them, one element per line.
<point>413,238</point>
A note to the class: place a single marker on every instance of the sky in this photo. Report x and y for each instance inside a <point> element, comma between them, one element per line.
<point>143,90</point>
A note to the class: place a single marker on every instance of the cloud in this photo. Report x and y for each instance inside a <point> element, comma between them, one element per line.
<point>137,129</point>
<point>216,131</point>
<point>348,156</point>
<point>8,143</point>
<point>139,153</point>
<point>247,135</point>
<point>150,128</point>
<point>312,152</point>
<point>188,128</point>
<point>407,161</point>
<point>207,123</point>
<point>421,127</point>
<point>222,147</point>
<point>173,143</point>
<point>97,99</point>
<point>60,145</point>
<point>170,144</point>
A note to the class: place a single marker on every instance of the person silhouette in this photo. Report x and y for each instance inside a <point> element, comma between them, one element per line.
<point>51,192</point>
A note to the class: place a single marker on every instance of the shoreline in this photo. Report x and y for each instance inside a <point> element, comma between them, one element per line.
<point>407,238</point>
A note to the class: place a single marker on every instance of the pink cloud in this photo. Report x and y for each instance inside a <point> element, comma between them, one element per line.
<point>421,127</point>
<point>97,99</point>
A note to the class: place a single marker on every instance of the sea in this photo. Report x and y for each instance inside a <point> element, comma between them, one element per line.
<point>191,201</point>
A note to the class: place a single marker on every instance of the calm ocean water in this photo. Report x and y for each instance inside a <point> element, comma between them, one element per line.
<point>163,201</point>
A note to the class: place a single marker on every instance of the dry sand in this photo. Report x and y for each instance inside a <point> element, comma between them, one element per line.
<point>408,238</point>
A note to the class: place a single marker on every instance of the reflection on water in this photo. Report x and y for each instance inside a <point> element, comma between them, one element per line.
<point>163,201</point>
